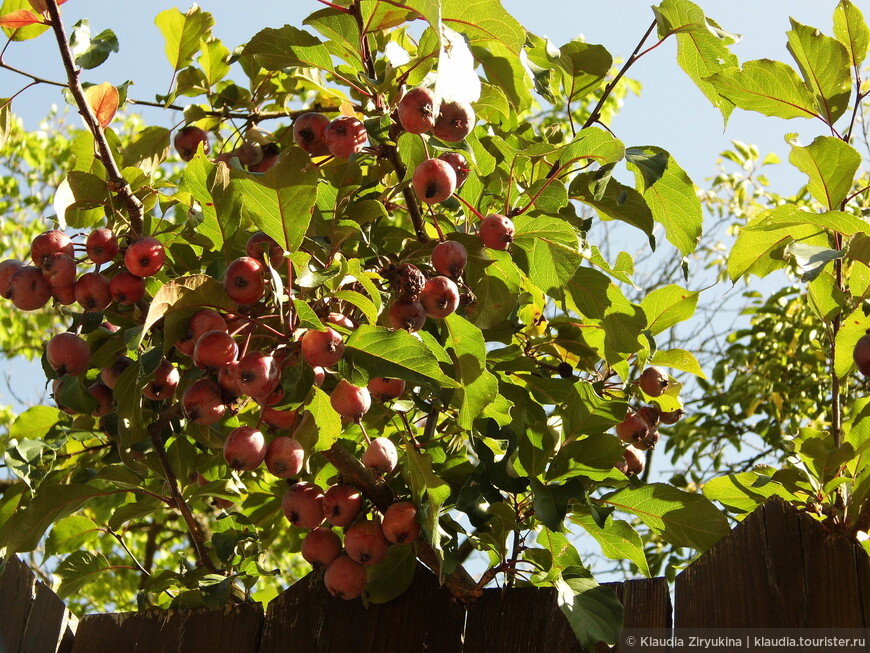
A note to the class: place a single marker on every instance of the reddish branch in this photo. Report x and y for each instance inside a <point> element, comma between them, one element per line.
<point>117,183</point>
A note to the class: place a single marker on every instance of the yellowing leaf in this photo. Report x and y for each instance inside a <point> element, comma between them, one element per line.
<point>103,100</point>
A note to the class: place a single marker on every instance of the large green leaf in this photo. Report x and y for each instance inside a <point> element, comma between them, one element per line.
<point>587,413</point>
<point>593,145</point>
<point>592,457</point>
<point>584,67</point>
<point>590,293</point>
<point>830,164</point>
<point>34,423</point>
<point>276,49</point>
<point>26,527</point>
<point>481,21</point>
<point>615,201</point>
<point>78,569</point>
<point>478,387</point>
<point>681,518</point>
<point>769,87</point>
<point>496,286</point>
<point>669,193</point>
<point>851,30</point>
<point>744,492</point>
<point>209,184</point>
<point>592,610</point>
<point>322,426</point>
<point>70,534</point>
<point>549,251</point>
<point>853,327</point>
<point>702,48</point>
<point>280,201</point>
<point>395,354</point>
<point>617,539</point>
<point>760,246</point>
<point>392,575</point>
<point>426,486</point>
<point>824,63</point>
<point>182,33</point>
<point>193,291</point>
<point>668,305</point>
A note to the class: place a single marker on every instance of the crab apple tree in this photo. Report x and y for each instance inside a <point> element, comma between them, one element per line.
<point>401,235</point>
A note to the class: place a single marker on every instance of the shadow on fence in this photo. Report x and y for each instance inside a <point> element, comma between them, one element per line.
<point>778,568</point>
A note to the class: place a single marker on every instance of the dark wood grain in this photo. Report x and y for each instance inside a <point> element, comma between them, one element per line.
<point>306,619</point>
<point>32,617</point>
<point>779,568</point>
<point>235,629</point>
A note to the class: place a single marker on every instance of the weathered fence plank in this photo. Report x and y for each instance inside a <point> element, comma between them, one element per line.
<point>32,617</point>
<point>306,619</point>
<point>234,629</point>
<point>529,619</point>
<point>779,568</point>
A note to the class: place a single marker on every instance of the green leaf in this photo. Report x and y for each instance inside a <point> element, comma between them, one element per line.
<point>193,291</point>
<point>396,355</point>
<point>280,201</point>
<point>142,507</point>
<point>587,413</point>
<point>592,610</point>
<point>594,145</point>
<point>26,527</point>
<point>7,121</point>
<point>34,423</point>
<point>811,259</point>
<point>549,249</point>
<point>182,33</point>
<point>744,492</point>
<point>79,569</point>
<point>681,518</point>
<point>496,287</point>
<point>853,327</point>
<point>701,51</point>
<point>477,386</point>
<point>830,165</point>
<point>70,534</point>
<point>209,184</point>
<point>342,32</point>
<point>678,359</point>
<point>668,305</point>
<point>391,576</point>
<point>592,457</point>
<point>148,149</point>
<point>769,87</point>
<point>483,21</point>
<point>319,431</point>
<point>584,67</point>
<point>618,540</point>
<point>590,293</point>
<point>851,30</point>
<point>615,202</point>
<point>760,245</point>
<point>669,193</point>
<point>277,49</point>
<point>824,63</point>
<point>214,60</point>
<point>90,52</point>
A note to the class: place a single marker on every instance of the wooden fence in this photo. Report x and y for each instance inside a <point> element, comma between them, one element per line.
<point>778,569</point>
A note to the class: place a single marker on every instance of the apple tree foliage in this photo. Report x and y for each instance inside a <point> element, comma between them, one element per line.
<point>505,431</point>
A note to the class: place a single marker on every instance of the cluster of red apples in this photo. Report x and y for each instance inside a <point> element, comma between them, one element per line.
<point>639,429</point>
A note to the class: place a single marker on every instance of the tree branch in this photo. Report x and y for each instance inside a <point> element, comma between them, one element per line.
<point>155,431</point>
<point>117,183</point>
